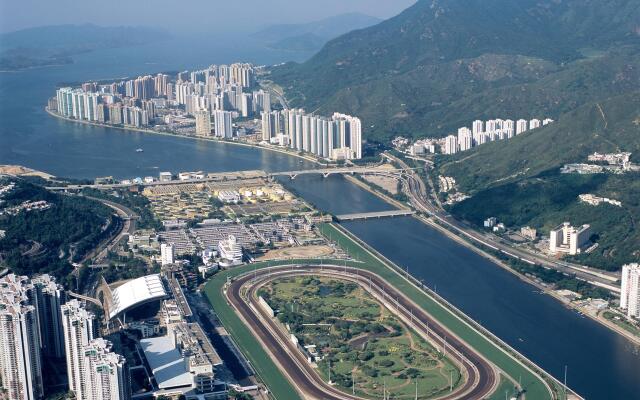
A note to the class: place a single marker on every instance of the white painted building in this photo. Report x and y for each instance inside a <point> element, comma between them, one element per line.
<point>203,123</point>
<point>230,252</point>
<point>79,330</point>
<point>534,123</point>
<point>465,139</point>
<point>521,126</point>
<point>21,357</point>
<point>450,145</point>
<point>568,239</point>
<point>167,253</point>
<point>106,372</point>
<point>630,290</point>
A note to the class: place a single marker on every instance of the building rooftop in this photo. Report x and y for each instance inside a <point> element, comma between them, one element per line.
<point>136,292</point>
<point>166,362</point>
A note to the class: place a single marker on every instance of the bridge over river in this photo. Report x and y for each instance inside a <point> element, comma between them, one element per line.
<point>325,172</point>
<point>377,214</point>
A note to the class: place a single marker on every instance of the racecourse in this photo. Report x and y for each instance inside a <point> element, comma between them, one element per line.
<point>536,383</point>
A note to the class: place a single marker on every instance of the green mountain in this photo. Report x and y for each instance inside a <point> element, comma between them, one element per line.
<point>56,44</point>
<point>443,63</point>
<point>519,181</point>
<point>49,240</point>
<point>611,125</point>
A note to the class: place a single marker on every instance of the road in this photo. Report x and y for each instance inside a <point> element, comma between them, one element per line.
<point>418,195</point>
<point>128,217</point>
<point>326,171</point>
<point>279,95</point>
<point>481,377</point>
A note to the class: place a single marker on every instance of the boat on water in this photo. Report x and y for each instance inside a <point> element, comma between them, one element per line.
<point>139,150</point>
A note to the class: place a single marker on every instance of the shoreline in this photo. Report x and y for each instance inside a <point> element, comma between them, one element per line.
<point>473,324</point>
<point>20,170</point>
<point>377,193</point>
<point>543,289</point>
<point>205,139</point>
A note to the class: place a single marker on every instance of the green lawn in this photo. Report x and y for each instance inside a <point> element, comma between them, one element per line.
<point>534,386</point>
<point>278,384</point>
<point>359,339</point>
<point>622,322</point>
<point>505,387</point>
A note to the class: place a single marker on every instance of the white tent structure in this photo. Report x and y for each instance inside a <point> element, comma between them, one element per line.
<point>136,292</point>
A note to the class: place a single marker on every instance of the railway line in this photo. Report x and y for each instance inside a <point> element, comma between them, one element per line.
<point>480,376</point>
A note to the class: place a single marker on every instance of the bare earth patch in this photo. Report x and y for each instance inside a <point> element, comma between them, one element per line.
<point>298,252</point>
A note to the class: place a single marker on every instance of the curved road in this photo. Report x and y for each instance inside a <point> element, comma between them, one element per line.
<point>481,377</point>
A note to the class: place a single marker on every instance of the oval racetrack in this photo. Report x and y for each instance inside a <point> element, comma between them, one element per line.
<point>480,376</point>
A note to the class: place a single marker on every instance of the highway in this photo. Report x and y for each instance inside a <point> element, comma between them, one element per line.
<point>128,227</point>
<point>480,377</point>
<point>418,195</point>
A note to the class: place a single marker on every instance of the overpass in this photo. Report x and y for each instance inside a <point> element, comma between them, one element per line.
<point>377,214</point>
<point>325,172</point>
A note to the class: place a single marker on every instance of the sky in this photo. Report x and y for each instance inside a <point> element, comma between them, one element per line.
<point>185,15</point>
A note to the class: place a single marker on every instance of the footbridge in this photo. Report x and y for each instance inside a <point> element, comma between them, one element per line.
<point>86,298</point>
<point>377,214</point>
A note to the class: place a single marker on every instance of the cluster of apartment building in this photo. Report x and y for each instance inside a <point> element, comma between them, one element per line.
<point>94,370</point>
<point>142,101</point>
<point>208,99</point>
<point>336,138</point>
<point>482,132</point>
<point>616,163</point>
<point>36,322</point>
<point>103,108</point>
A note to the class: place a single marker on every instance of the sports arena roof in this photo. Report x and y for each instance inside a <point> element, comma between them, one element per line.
<point>166,363</point>
<point>136,292</point>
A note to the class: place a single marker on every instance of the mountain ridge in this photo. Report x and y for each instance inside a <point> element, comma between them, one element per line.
<point>357,71</point>
<point>311,36</point>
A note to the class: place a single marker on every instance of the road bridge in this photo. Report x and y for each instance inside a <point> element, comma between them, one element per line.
<point>377,214</point>
<point>325,172</point>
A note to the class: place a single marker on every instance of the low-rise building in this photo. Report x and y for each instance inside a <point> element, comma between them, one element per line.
<point>166,176</point>
<point>490,222</point>
<point>597,200</point>
<point>229,196</point>
<point>528,233</point>
<point>184,362</point>
<point>568,239</point>
<point>230,252</point>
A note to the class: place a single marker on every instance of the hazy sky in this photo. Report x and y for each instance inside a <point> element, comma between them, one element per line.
<point>185,15</point>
